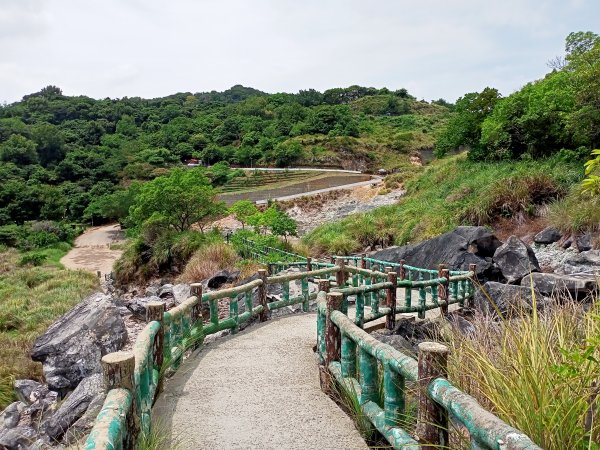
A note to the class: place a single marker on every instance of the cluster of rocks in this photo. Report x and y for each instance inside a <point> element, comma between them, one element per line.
<point>510,273</point>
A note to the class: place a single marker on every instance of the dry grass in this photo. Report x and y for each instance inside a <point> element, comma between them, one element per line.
<point>575,213</point>
<point>208,260</point>
<point>536,372</point>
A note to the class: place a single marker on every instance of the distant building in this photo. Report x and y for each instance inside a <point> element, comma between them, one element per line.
<point>193,162</point>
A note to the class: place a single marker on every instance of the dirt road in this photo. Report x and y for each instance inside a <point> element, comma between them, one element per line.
<point>92,250</point>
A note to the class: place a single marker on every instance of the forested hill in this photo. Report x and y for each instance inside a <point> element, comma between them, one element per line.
<point>58,153</point>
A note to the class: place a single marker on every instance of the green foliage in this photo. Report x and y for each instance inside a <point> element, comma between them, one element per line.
<point>278,222</point>
<point>591,183</point>
<point>177,200</point>
<point>32,259</point>
<point>243,210</point>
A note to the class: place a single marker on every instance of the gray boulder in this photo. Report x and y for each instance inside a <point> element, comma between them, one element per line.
<point>71,349</point>
<point>11,415</point>
<point>515,259</point>
<point>575,285</point>
<point>457,248</point>
<point>547,236</point>
<point>138,305</point>
<point>73,407</point>
<point>18,438</point>
<point>29,391</point>
<point>85,423</point>
<point>222,277</point>
<point>493,298</point>
<point>584,242</point>
<point>181,292</point>
<point>166,291</point>
<point>584,262</point>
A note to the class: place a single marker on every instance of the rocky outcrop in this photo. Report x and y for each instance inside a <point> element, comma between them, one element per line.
<point>222,277</point>
<point>583,242</point>
<point>138,305</point>
<point>85,423</point>
<point>497,298</point>
<point>515,259</point>
<point>575,285</point>
<point>71,349</point>
<point>74,406</point>
<point>457,248</point>
<point>547,236</point>
<point>584,262</point>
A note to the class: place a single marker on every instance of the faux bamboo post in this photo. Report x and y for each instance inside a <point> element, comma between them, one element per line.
<point>196,291</point>
<point>262,295</point>
<point>308,264</point>
<point>369,382</point>
<point>390,318</point>
<point>118,368</point>
<point>340,275</point>
<point>155,311</point>
<point>393,396</point>
<point>445,274</point>
<point>363,262</point>
<point>474,282</point>
<point>323,285</point>
<point>348,357</point>
<point>332,332</point>
<point>432,424</point>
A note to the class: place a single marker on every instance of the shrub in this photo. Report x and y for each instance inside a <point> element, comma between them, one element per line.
<point>207,261</point>
<point>32,259</point>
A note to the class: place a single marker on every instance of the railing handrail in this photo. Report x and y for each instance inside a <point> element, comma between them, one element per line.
<point>168,334</point>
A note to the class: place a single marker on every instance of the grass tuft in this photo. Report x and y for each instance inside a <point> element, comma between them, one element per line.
<point>208,260</point>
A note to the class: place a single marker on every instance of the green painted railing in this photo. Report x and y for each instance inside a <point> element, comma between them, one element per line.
<point>358,361</point>
<point>133,379</point>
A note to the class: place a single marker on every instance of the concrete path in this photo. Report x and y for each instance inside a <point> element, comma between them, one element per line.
<point>258,389</point>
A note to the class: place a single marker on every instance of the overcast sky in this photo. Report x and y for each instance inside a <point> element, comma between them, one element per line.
<point>152,48</point>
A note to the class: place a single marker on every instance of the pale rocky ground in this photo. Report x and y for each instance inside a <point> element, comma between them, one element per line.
<point>93,252</point>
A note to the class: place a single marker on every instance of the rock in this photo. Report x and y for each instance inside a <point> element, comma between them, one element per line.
<point>584,242</point>
<point>84,424</point>
<point>181,292</point>
<point>29,391</point>
<point>576,285</point>
<point>74,406</point>
<point>568,242</point>
<point>18,438</point>
<point>506,299</point>
<point>41,408</point>
<point>516,259</point>
<point>166,291</point>
<point>547,236</point>
<point>584,262</point>
<point>458,249</point>
<point>396,341</point>
<point>151,291</point>
<point>12,415</point>
<point>222,277</point>
<point>138,305</point>
<point>72,347</point>
<point>461,324</point>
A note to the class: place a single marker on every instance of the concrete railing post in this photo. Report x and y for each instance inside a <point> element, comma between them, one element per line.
<point>308,264</point>
<point>432,422</point>
<point>474,282</point>
<point>262,295</point>
<point>340,275</point>
<point>118,368</point>
<point>390,318</point>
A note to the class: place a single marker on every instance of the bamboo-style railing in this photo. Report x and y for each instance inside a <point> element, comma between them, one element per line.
<point>133,379</point>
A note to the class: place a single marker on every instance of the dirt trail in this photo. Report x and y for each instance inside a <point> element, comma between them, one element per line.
<point>92,250</point>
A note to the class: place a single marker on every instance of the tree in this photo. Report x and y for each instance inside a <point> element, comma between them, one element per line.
<point>179,200</point>
<point>19,150</point>
<point>243,210</point>
<point>279,222</point>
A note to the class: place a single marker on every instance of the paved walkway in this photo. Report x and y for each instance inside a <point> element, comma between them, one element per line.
<point>258,389</point>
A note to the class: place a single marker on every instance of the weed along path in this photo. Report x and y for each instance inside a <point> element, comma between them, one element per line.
<point>258,389</point>
<point>93,252</point>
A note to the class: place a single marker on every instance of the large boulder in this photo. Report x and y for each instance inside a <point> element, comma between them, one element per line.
<point>457,248</point>
<point>71,349</point>
<point>497,298</point>
<point>10,417</point>
<point>547,236</point>
<point>73,407</point>
<point>515,259</point>
<point>222,277</point>
<point>584,262</point>
<point>138,305</point>
<point>575,285</point>
<point>85,423</point>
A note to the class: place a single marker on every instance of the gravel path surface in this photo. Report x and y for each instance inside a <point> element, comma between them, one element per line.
<point>258,389</point>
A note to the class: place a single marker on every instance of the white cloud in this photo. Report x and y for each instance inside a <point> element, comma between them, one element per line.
<point>150,48</point>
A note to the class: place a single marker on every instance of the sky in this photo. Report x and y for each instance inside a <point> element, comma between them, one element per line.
<point>152,48</point>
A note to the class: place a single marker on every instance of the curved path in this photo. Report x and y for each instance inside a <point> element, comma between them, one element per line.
<point>258,389</point>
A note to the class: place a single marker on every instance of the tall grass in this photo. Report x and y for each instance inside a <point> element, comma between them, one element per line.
<point>575,213</point>
<point>450,192</point>
<point>538,372</point>
<point>31,298</point>
<point>207,261</point>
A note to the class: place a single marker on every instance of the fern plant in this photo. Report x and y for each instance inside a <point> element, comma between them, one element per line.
<point>591,183</point>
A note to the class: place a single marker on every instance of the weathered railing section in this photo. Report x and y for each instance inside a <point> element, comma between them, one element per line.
<point>347,353</point>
